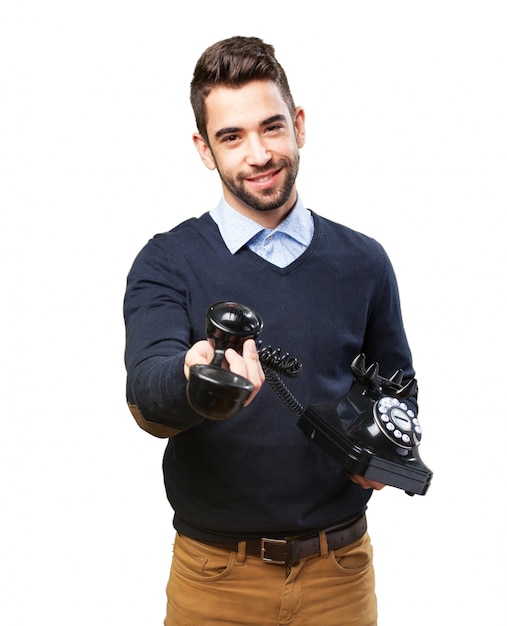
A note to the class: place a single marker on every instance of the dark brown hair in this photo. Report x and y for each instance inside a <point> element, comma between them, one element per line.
<point>234,62</point>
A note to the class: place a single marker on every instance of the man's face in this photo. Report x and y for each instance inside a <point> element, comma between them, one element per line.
<point>254,144</point>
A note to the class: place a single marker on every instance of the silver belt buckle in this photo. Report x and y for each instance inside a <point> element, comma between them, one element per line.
<point>265,541</point>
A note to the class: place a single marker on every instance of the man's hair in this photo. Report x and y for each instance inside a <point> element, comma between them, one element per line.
<point>234,62</point>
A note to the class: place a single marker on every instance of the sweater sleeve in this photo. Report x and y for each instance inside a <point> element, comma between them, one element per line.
<point>385,339</point>
<point>158,335</point>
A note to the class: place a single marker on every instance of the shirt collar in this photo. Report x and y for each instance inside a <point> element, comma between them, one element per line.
<point>237,229</point>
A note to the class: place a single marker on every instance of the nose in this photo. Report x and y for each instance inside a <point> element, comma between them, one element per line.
<point>257,153</point>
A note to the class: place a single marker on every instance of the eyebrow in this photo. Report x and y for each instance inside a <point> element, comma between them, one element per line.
<point>234,129</point>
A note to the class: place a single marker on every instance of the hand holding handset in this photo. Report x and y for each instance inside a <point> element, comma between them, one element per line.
<point>373,430</point>
<point>212,391</point>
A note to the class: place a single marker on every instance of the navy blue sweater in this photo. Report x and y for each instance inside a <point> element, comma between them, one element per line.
<point>256,474</point>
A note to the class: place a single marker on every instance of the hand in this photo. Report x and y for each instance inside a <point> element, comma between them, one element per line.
<point>366,483</point>
<point>248,365</point>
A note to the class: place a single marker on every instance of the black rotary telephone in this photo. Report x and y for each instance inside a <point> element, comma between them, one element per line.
<point>373,430</point>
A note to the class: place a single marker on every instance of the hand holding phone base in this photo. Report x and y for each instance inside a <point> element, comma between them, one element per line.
<point>373,430</point>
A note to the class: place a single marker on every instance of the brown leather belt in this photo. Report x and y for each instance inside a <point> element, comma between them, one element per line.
<point>291,549</point>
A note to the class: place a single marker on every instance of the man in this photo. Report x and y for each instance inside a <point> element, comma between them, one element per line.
<point>325,294</point>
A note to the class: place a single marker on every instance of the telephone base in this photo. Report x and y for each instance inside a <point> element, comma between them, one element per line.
<point>395,467</point>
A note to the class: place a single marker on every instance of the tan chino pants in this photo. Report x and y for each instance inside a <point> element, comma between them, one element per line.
<point>213,587</point>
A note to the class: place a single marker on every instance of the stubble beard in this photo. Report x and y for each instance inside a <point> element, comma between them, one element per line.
<point>267,200</point>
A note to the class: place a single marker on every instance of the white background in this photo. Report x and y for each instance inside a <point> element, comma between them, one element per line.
<point>406,121</point>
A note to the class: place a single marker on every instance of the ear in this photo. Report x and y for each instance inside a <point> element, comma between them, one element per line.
<point>299,126</point>
<point>204,151</point>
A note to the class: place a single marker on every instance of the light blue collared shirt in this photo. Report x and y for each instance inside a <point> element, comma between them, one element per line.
<point>280,246</point>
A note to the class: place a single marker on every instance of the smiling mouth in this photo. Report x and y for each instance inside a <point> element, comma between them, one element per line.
<point>264,180</point>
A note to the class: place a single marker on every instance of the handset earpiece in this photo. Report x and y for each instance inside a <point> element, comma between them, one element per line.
<point>212,391</point>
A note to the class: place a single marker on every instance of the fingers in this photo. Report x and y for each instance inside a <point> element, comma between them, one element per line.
<point>247,366</point>
<point>366,483</point>
<point>200,353</point>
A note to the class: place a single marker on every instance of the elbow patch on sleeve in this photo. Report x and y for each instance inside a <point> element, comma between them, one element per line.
<point>157,430</point>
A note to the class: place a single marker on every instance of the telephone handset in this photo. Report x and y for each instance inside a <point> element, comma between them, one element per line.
<point>373,430</point>
<point>212,391</point>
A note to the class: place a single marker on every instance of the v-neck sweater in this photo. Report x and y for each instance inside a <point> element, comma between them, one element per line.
<point>257,473</point>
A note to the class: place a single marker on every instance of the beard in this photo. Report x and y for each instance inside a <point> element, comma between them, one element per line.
<point>268,199</point>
